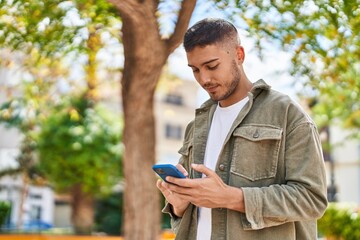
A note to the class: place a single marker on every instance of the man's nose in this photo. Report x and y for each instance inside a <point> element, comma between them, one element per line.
<point>204,77</point>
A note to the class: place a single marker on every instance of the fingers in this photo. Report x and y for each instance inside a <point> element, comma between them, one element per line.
<point>168,188</point>
<point>201,168</point>
<point>186,183</point>
<point>182,170</point>
<point>160,186</point>
<point>164,190</point>
<point>176,200</point>
<point>181,182</point>
<point>205,192</point>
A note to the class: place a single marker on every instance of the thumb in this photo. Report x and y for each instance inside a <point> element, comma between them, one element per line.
<point>201,168</point>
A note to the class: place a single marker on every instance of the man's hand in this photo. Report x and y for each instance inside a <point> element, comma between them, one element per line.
<point>179,205</point>
<point>210,191</point>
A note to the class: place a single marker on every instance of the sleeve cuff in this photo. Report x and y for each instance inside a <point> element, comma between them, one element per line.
<point>252,212</point>
<point>168,209</point>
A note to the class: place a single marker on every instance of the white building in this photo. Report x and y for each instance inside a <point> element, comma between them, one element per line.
<point>36,202</point>
<point>344,169</point>
<point>175,106</point>
<point>37,205</point>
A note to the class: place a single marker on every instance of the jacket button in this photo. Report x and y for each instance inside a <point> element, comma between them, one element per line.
<point>222,167</point>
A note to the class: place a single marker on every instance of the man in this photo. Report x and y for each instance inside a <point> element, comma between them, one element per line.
<point>252,157</point>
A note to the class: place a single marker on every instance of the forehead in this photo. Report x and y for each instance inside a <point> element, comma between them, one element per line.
<point>200,55</point>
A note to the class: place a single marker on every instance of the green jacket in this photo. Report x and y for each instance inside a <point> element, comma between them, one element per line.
<point>273,153</point>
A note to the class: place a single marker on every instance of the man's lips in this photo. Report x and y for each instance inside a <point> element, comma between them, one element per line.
<point>211,88</point>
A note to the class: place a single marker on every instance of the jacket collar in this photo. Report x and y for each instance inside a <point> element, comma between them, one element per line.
<point>260,84</point>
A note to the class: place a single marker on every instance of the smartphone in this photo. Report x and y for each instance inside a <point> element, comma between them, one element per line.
<point>164,170</point>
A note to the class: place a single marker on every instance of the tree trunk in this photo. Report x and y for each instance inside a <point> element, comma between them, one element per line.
<point>145,53</point>
<point>24,194</point>
<point>82,211</point>
<point>141,198</point>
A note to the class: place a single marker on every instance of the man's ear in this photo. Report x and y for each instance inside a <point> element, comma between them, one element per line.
<point>240,54</point>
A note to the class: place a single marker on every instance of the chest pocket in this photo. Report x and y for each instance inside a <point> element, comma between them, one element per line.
<point>256,151</point>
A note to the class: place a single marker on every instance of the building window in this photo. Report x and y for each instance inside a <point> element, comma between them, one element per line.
<point>173,131</point>
<point>35,213</point>
<point>35,196</point>
<point>174,99</point>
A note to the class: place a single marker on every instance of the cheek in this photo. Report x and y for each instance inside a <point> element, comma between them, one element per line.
<point>197,78</point>
<point>222,75</point>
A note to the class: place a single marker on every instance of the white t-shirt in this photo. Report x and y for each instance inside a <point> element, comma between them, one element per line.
<point>221,123</point>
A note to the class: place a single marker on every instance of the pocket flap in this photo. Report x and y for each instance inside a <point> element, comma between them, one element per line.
<point>258,133</point>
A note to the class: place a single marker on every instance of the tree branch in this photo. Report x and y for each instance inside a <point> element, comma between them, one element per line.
<point>156,2</point>
<point>186,10</point>
<point>127,7</point>
<point>10,172</point>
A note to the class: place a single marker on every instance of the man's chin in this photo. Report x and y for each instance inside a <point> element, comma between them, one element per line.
<point>215,98</point>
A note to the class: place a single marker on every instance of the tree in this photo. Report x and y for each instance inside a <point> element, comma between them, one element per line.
<point>24,106</point>
<point>108,214</point>
<point>4,211</point>
<point>44,29</point>
<point>80,152</point>
<point>146,51</point>
<point>322,38</point>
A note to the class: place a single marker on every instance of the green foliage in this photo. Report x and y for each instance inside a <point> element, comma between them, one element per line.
<point>80,144</point>
<point>54,28</point>
<point>166,220</point>
<point>10,113</point>
<point>35,24</point>
<point>82,139</point>
<point>5,208</point>
<point>340,220</point>
<point>108,215</point>
<point>322,38</point>
<point>23,112</point>
<point>14,114</point>
<point>43,33</point>
<point>99,11</point>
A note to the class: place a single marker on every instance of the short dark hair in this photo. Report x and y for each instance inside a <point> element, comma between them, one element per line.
<point>208,31</point>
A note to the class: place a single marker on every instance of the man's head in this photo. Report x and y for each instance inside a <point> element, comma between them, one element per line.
<point>211,31</point>
<point>215,56</point>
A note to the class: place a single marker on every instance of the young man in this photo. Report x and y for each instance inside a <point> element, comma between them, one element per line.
<point>253,158</point>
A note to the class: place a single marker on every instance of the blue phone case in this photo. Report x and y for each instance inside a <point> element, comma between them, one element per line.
<point>164,170</point>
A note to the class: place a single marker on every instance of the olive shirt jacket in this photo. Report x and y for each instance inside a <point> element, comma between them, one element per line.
<point>273,153</point>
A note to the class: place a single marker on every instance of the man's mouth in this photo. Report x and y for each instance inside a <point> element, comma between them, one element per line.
<point>211,88</point>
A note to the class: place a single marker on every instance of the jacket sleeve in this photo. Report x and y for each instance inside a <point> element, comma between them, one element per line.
<point>185,161</point>
<point>303,195</point>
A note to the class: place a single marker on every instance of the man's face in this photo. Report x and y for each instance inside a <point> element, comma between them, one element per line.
<point>215,69</point>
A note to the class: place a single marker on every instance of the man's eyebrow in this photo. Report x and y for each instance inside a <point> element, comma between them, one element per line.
<point>204,63</point>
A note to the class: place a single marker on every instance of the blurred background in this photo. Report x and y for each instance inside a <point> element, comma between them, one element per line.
<point>93,93</point>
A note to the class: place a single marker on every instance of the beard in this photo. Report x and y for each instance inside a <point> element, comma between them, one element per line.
<point>231,86</point>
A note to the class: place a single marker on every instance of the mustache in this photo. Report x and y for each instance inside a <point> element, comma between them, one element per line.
<point>209,85</point>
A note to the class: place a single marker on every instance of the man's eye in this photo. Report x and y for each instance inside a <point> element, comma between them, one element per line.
<point>212,67</point>
<point>195,70</point>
